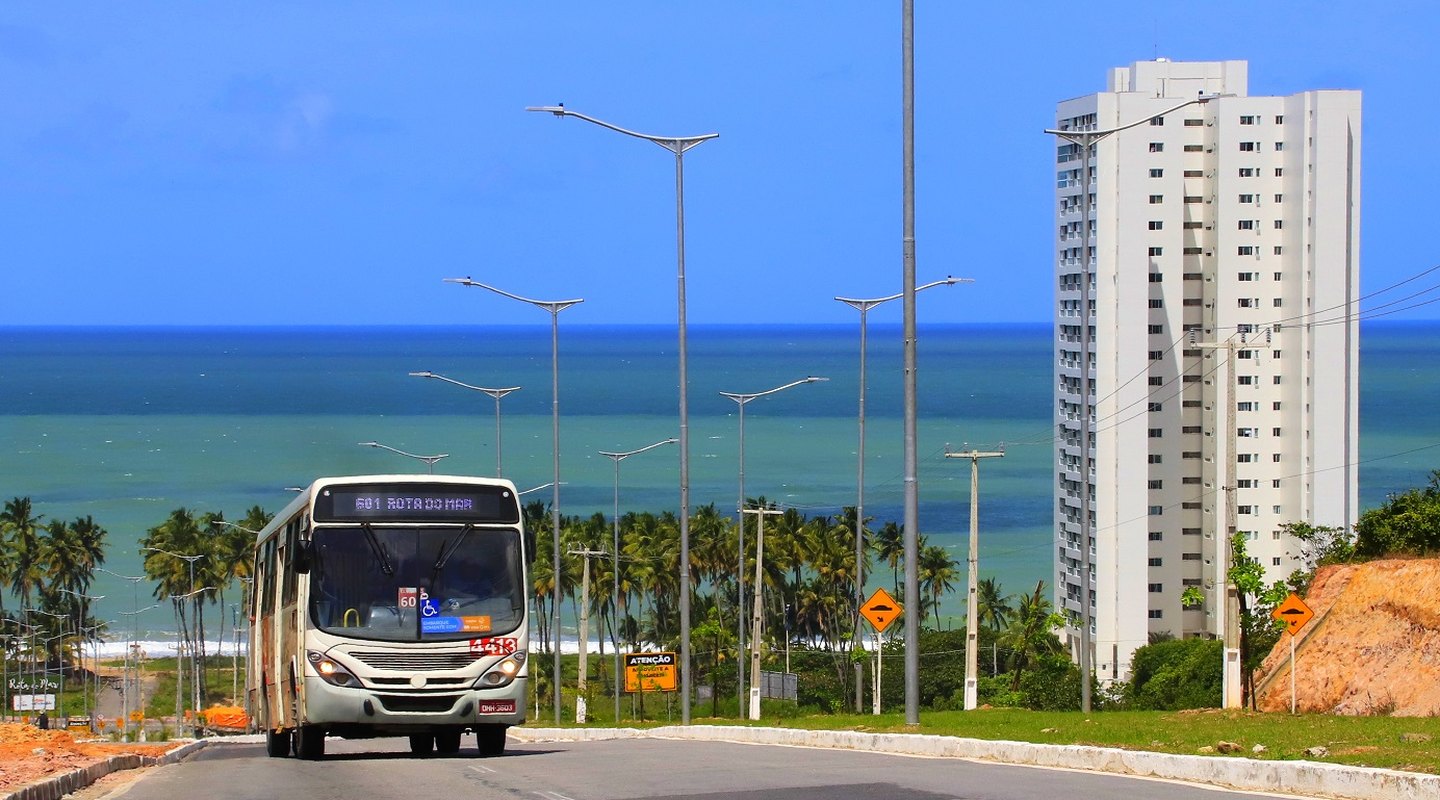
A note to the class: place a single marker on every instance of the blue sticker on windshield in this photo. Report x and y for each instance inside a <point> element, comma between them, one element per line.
<point>430,606</point>
<point>441,625</point>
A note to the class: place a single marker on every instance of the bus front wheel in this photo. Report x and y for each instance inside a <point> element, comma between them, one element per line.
<point>310,743</point>
<point>421,743</point>
<point>448,742</point>
<point>490,740</point>
<point>277,744</point>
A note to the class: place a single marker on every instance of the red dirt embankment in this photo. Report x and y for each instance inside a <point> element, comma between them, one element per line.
<point>1372,648</point>
<point>28,754</point>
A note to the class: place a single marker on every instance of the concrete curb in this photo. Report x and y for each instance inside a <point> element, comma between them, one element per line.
<point>1309,778</point>
<point>57,786</point>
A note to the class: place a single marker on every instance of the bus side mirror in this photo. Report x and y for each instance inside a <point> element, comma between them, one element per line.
<point>530,546</point>
<point>302,557</point>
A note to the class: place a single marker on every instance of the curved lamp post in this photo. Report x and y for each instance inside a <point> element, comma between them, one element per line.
<point>615,561</point>
<point>1086,141</point>
<point>495,393</point>
<point>554,307</point>
<point>429,460</point>
<point>742,399</point>
<point>194,665</point>
<point>864,306</point>
<point>85,600</point>
<point>678,145</point>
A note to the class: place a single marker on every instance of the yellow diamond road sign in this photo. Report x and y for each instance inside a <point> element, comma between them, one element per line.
<point>881,610</point>
<point>1294,613</point>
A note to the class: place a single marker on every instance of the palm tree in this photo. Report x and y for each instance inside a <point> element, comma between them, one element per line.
<point>23,547</point>
<point>991,605</point>
<point>1030,635</point>
<point>890,547</point>
<point>938,573</point>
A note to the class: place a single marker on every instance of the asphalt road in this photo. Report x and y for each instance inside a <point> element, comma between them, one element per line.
<point>628,769</point>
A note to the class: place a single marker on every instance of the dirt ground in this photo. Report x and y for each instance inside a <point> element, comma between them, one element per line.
<point>28,754</point>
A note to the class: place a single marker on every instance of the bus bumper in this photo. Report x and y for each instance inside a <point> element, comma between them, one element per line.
<point>344,710</point>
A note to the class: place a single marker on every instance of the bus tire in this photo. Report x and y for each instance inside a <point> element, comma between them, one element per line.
<point>310,743</point>
<point>422,743</point>
<point>277,744</point>
<point>447,742</point>
<point>490,740</point>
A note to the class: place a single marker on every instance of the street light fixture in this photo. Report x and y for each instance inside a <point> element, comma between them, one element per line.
<point>678,145</point>
<point>1086,141</point>
<point>554,307</point>
<point>190,560</point>
<point>85,600</point>
<point>617,457</point>
<point>135,617</point>
<point>429,460</point>
<point>864,306</point>
<point>742,399</point>
<point>495,393</point>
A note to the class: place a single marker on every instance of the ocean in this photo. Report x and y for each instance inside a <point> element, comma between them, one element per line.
<point>125,424</point>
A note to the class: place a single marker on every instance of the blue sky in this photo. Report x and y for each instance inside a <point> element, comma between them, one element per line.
<point>320,163</point>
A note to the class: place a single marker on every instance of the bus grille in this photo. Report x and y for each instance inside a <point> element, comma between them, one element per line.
<point>422,703</point>
<point>415,662</point>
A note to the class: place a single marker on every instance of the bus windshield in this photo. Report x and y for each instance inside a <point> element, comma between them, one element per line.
<point>409,584</point>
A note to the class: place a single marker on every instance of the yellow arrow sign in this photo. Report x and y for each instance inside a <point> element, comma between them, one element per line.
<point>881,610</point>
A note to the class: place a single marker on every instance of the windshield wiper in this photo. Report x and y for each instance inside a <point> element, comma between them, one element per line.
<point>446,551</point>
<point>378,550</point>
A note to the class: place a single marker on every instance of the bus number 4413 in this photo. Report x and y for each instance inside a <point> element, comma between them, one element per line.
<point>493,646</point>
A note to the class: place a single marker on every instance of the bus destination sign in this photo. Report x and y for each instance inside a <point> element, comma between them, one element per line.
<point>416,502</point>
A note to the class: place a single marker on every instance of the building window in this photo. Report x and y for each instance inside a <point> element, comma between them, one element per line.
<point>1275,562</point>
<point>1194,148</point>
<point>1156,225</point>
<point>1194,173</point>
<point>1191,226</point>
<point>1279,224</point>
<point>1157,433</point>
<point>1156,302</point>
<point>1156,536</point>
<point>1279,172</point>
<point>1190,429</point>
<point>1189,556</point>
<point>1279,119</point>
<point>1248,199</point>
<point>1154,458</point>
<point>1275,458</point>
<point>1156,355</point>
<point>1157,173</point>
<point>1274,431</point>
<point>1157,613</point>
<point>1156,511</point>
<point>1156,588</point>
<point>1246,380</point>
<point>1157,147</point>
<point>1191,251</point>
<point>1249,276</point>
<point>1194,123</point>
<point>1279,146</point>
<point>1157,121</point>
<point>1249,147</point>
<point>1190,454</point>
<point>1275,302</point>
<point>1245,250</point>
<point>1247,172</point>
<point>1279,250</point>
<point>1279,198</point>
<point>1157,328</point>
<point>1157,199</point>
<point>1247,120</point>
<point>1155,406</point>
<point>1155,381</point>
<point>1190,481</point>
<point>1156,277</point>
<point>1244,405</point>
<point>1156,484</point>
<point>1192,199</point>
<point>1156,561</point>
<point>1156,251</point>
<point>1190,531</point>
<point>1246,224</point>
<point>1245,458</point>
<point>1275,406</point>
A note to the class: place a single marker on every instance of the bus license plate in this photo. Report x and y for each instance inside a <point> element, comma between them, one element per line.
<point>497,706</point>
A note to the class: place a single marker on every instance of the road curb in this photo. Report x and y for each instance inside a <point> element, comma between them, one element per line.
<point>57,786</point>
<point>1309,778</point>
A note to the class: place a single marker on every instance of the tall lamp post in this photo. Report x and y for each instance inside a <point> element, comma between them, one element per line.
<point>864,306</point>
<point>554,307</point>
<point>190,560</point>
<point>85,600</point>
<point>742,399</point>
<point>495,393</point>
<point>1086,141</point>
<point>677,145</point>
<point>135,616</point>
<point>617,457</point>
<point>429,460</point>
<point>757,615</point>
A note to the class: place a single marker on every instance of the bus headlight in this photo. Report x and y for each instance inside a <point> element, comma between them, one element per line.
<point>502,673</point>
<point>331,671</point>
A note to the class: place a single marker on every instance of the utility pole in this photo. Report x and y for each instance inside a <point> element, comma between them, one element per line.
<point>972,614</point>
<point>755,618</point>
<point>1231,689</point>
<point>584,628</point>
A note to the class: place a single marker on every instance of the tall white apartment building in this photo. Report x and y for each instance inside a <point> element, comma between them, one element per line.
<point>1236,222</point>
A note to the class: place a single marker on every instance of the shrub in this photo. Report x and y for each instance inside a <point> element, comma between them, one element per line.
<point>1181,673</point>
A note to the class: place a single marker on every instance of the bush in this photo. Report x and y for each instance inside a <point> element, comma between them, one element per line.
<point>1178,674</point>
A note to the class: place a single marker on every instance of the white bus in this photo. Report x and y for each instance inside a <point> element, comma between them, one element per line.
<point>390,605</point>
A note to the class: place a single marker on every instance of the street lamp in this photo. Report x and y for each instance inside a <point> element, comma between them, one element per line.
<point>741,399</point>
<point>972,610</point>
<point>755,619</point>
<point>677,145</point>
<point>190,560</point>
<point>133,649</point>
<point>85,600</point>
<point>554,307</point>
<point>615,561</point>
<point>429,460</point>
<point>135,617</point>
<point>1086,141</point>
<point>495,393</point>
<point>864,306</point>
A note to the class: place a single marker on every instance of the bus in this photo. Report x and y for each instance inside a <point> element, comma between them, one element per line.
<point>390,605</point>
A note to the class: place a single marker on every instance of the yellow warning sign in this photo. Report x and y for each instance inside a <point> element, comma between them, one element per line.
<point>1294,613</point>
<point>881,610</point>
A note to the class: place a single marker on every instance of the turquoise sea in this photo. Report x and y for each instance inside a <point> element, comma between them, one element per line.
<point>125,424</point>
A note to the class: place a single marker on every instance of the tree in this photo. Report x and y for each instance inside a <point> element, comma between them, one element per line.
<point>22,543</point>
<point>1258,632</point>
<point>1031,634</point>
<point>890,548</point>
<point>938,573</point>
<point>1407,524</point>
<point>992,606</point>
<point>1177,674</point>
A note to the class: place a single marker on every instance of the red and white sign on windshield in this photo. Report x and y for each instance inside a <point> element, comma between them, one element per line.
<point>493,646</point>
